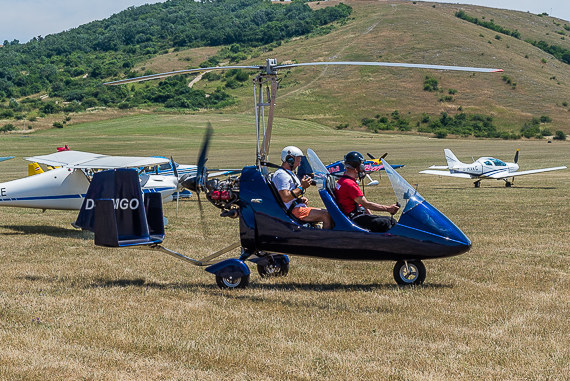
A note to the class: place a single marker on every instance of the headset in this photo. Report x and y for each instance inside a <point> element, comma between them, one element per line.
<point>290,159</point>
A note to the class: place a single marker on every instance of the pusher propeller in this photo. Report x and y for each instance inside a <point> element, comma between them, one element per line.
<point>197,183</point>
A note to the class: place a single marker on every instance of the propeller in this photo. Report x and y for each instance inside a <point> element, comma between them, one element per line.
<point>197,183</point>
<point>517,156</point>
<point>373,158</point>
<point>175,171</point>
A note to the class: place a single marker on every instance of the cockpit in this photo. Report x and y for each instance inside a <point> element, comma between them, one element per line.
<point>491,161</point>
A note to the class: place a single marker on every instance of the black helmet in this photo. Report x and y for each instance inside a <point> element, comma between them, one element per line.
<point>354,160</point>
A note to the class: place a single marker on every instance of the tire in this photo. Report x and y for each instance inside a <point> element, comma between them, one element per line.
<point>231,283</point>
<point>415,277</point>
<point>269,270</point>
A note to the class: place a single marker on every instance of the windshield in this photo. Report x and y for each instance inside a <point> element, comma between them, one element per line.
<point>498,162</point>
<point>407,196</point>
<point>321,172</point>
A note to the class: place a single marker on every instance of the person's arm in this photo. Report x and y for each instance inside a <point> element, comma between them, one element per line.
<point>290,195</point>
<point>392,209</point>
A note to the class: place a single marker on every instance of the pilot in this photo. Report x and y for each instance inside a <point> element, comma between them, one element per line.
<point>291,189</point>
<point>352,202</point>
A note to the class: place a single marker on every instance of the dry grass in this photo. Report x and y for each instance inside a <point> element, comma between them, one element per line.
<point>69,310</point>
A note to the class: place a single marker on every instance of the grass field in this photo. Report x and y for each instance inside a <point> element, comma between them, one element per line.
<point>70,310</point>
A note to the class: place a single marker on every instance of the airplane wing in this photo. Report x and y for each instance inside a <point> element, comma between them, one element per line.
<point>87,160</point>
<point>446,173</point>
<point>6,158</point>
<point>439,167</point>
<point>529,172</point>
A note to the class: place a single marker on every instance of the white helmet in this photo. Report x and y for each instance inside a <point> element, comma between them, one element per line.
<point>290,152</point>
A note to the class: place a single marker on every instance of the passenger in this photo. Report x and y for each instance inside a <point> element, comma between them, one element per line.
<point>291,189</point>
<point>352,202</point>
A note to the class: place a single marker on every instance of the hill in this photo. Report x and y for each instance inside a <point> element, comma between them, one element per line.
<point>535,83</point>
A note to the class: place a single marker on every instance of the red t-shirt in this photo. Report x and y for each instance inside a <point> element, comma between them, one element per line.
<point>346,191</point>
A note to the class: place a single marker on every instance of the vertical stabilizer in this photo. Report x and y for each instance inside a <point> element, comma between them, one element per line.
<point>452,161</point>
<point>34,169</point>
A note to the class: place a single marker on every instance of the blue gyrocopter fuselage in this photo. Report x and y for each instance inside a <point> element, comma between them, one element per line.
<point>422,231</point>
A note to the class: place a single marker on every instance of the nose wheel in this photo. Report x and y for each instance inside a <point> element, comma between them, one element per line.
<point>409,273</point>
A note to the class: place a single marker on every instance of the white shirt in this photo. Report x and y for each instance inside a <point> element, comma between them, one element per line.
<point>284,179</point>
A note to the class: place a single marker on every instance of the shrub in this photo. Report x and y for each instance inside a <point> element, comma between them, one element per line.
<point>440,134</point>
<point>342,126</point>
<point>545,119</point>
<point>559,135</point>
<point>430,83</point>
<point>58,124</point>
<point>7,127</point>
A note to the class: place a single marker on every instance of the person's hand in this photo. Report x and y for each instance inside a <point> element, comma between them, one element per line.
<point>393,209</point>
<point>306,181</point>
<point>305,200</point>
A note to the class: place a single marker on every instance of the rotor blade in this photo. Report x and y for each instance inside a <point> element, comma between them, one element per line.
<point>517,156</point>
<point>177,72</point>
<point>394,64</point>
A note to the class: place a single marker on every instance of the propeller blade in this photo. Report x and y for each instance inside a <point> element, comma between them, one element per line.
<point>202,217</point>
<point>517,156</point>
<point>175,172</point>
<point>201,172</point>
<point>383,156</point>
<point>174,169</point>
<point>370,156</point>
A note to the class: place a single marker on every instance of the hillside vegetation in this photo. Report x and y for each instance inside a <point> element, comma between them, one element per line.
<point>531,98</point>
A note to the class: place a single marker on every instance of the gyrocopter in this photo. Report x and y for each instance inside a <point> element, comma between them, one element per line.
<point>268,233</point>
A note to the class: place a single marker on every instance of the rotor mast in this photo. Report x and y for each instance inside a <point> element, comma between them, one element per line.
<point>265,86</point>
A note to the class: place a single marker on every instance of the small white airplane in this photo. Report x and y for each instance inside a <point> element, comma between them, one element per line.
<point>65,187</point>
<point>483,168</point>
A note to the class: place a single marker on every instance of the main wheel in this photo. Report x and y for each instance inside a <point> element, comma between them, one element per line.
<point>230,282</point>
<point>412,274</point>
<point>277,269</point>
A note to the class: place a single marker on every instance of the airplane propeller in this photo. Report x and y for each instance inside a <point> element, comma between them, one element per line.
<point>175,172</point>
<point>516,156</point>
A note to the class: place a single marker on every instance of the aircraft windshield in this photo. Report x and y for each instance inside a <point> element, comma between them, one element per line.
<point>407,196</point>
<point>321,172</point>
<point>498,162</point>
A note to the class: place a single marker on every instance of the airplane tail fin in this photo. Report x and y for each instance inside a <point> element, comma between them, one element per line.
<point>452,160</point>
<point>34,169</point>
<point>115,210</point>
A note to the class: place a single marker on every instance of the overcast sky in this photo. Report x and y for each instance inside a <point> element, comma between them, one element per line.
<point>24,19</point>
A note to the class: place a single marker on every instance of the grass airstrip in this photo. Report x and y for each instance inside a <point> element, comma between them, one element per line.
<point>70,310</point>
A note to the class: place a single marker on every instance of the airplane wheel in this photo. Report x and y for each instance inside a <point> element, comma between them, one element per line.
<point>413,274</point>
<point>229,282</point>
<point>508,184</point>
<point>273,270</point>
<point>477,184</point>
